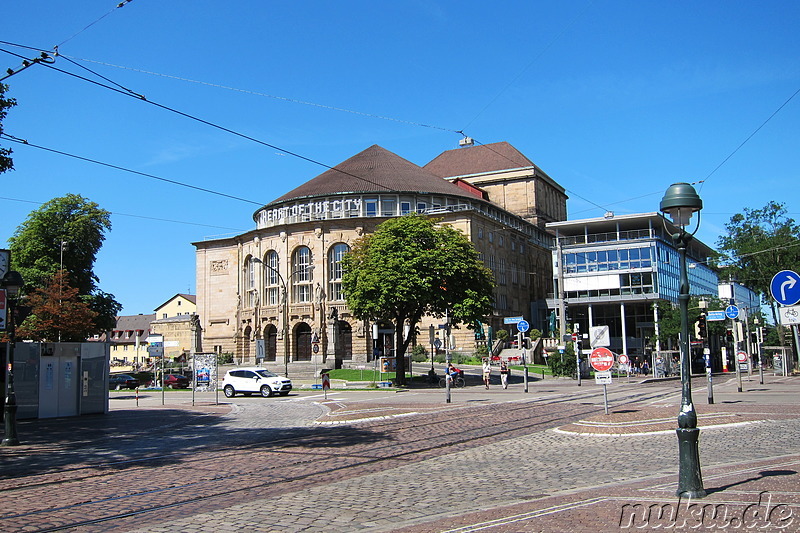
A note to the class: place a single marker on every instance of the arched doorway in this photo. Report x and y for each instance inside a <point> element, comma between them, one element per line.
<point>271,342</point>
<point>302,342</point>
<point>246,340</point>
<point>344,348</point>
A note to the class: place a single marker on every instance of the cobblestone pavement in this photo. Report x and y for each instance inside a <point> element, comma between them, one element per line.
<point>499,460</point>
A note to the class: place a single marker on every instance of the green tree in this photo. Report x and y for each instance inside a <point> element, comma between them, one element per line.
<point>759,244</point>
<point>411,267</point>
<point>70,229</point>
<point>57,313</point>
<point>5,153</point>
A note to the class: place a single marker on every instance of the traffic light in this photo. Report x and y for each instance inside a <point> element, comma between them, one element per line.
<point>702,331</point>
<point>729,335</point>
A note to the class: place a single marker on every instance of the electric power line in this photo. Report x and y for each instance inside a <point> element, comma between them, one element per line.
<point>135,216</point>
<point>117,167</point>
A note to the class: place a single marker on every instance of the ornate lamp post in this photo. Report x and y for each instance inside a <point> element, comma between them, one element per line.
<point>12,282</point>
<point>680,202</point>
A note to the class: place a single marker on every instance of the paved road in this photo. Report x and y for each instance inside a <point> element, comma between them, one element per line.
<point>548,460</point>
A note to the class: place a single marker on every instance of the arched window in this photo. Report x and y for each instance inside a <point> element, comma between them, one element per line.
<point>250,281</point>
<point>335,255</point>
<point>271,279</point>
<point>302,276</point>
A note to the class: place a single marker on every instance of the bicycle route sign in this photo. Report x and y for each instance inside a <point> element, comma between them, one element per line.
<point>790,316</point>
<point>601,359</point>
<point>785,287</point>
<point>523,326</point>
<point>732,312</point>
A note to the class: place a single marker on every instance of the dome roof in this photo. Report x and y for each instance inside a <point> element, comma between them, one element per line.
<point>374,170</point>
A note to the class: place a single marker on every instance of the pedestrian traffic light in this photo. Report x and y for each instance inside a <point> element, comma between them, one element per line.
<point>702,331</point>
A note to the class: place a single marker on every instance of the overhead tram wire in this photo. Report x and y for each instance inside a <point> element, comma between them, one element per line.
<point>130,93</point>
<point>266,95</point>
<point>119,5</point>
<point>136,216</point>
<point>517,163</point>
<point>117,167</point>
<point>703,181</point>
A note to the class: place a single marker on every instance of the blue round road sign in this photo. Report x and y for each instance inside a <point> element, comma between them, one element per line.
<point>732,312</point>
<point>785,287</point>
<point>523,326</point>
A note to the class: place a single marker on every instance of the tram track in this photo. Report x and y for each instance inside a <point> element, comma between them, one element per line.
<point>469,431</point>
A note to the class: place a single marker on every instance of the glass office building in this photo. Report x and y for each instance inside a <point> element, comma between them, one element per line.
<point>610,271</point>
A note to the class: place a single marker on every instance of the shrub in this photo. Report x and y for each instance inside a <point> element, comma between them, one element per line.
<point>501,335</point>
<point>419,354</point>
<point>562,365</point>
<point>225,359</point>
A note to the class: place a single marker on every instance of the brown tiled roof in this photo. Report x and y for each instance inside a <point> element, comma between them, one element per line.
<point>477,159</point>
<point>373,170</point>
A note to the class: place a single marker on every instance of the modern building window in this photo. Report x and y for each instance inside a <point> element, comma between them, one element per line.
<point>302,276</point>
<point>271,279</point>
<point>335,255</point>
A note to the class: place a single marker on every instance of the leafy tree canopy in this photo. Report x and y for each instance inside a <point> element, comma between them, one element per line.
<point>759,244</point>
<point>70,229</point>
<point>5,103</point>
<point>57,313</point>
<point>411,267</point>
<point>36,246</point>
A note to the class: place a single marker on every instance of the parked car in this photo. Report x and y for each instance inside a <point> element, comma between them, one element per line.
<point>176,381</point>
<point>122,381</point>
<point>254,379</point>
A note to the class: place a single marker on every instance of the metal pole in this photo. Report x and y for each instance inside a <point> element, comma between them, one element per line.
<point>759,341</point>
<point>735,350</point>
<point>690,480</point>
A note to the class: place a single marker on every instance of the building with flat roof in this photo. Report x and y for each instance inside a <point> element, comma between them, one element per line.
<point>610,271</point>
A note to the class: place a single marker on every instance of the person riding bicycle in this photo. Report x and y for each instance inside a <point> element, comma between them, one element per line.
<point>451,372</point>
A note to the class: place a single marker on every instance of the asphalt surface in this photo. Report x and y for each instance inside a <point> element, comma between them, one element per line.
<point>350,460</point>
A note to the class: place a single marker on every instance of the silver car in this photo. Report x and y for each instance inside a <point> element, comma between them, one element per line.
<point>255,379</point>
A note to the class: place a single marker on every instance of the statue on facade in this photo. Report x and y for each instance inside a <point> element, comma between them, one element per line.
<point>319,297</point>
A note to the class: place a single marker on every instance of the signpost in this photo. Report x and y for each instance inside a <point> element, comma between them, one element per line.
<point>326,384</point>
<point>715,316</point>
<point>785,287</point>
<point>732,312</point>
<point>602,359</point>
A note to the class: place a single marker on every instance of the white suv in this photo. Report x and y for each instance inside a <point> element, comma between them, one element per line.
<point>254,379</point>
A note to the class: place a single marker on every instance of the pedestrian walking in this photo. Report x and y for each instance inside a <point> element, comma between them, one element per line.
<point>487,371</point>
<point>504,373</point>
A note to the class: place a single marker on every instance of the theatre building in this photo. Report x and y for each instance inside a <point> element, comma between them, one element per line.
<point>274,294</point>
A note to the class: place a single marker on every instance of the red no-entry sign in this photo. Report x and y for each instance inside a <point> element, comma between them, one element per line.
<point>601,359</point>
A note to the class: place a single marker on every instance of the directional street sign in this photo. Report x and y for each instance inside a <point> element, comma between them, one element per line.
<point>715,315</point>
<point>523,326</point>
<point>785,287</point>
<point>512,320</point>
<point>732,312</point>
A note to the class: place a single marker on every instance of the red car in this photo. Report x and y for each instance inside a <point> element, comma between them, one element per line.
<point>176,381</point>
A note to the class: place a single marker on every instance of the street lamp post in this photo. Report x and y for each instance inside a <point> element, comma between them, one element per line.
<point>680,201</point>
<point>11,282</point>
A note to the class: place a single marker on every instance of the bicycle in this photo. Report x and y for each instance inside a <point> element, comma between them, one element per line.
<point>457,381</point>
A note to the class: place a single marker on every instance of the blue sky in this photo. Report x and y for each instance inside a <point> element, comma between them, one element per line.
<point>614,100</point>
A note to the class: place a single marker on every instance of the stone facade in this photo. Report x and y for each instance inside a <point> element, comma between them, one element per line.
<point>274,293</point>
